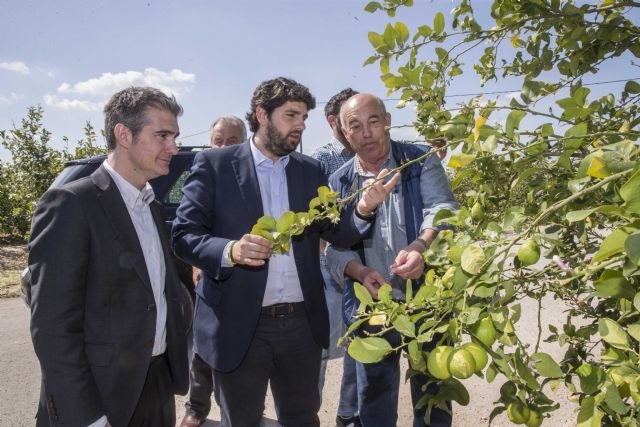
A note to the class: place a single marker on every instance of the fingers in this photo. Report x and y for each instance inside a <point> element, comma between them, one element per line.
<point>388,187</point>
<point>372,281</point>
<point>408,265</point>
<point>252,250</point>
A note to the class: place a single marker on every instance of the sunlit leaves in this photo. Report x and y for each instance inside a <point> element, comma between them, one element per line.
<point>369,349</point>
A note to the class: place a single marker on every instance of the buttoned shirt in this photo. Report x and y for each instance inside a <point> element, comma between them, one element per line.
<point>283,283</point>
<point>137,202</point>
<point>389,234</point>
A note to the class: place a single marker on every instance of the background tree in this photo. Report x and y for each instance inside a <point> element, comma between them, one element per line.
<point>33,166</point>
<point>550,185</point>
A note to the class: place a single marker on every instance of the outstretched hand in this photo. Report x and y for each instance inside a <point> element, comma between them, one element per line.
<point>376,193</point>
<point>409,263</point>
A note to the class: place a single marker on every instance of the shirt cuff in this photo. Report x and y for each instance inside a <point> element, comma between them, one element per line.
<point>226,256</point>
<point>100,422</point>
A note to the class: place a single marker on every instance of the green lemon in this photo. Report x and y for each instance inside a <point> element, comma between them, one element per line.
<point>535,418</point>
<point>480,357</point>
<point>485,332</point>
<point>529,253</point>
<point>477,212</point>
<point>518,413</point>
<point>461,364</point>
<point>437,362</point>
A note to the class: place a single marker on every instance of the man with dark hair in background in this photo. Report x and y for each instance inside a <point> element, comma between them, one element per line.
<point>331,157</point>
<point>108,318</point>
<point>225,131</point>
<point>261,317</point>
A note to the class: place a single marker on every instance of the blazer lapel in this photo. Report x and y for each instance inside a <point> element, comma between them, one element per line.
<point>116,212</point>
<point>247,179</point>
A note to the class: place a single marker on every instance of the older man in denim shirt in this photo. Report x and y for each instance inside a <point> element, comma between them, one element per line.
<point>393,254</point>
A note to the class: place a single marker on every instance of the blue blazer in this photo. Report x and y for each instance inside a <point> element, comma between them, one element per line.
<point>221,202</point>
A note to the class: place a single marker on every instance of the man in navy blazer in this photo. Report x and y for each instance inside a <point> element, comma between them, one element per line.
<point>261,317</point>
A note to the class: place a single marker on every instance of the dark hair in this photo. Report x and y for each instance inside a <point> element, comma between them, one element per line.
<point>271,94</point>
<point>129,107</point>
<point>333,106</point>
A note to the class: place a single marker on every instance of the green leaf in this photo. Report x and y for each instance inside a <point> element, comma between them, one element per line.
<point>589,415</point>
<point>372,6</point>
<point>266,222</point>
<point>459,160</point>
<point>636,301</point>
<point>612,333</point>
<point>438,23</point>
<point>573,135</point>
<point>369,349</point>
<point>513,122</point>
<point>592,378</point>
<point>402,33</point>
<point>614,401</point>
<point>403,324</point>
<point>472,260</point>
<point>370,60</point>
<point>630,193</point>
<point>453,389</point>
<point>385,294</point>
<point>632,87</point>
<point>634,331</point>
<point>580,215</point>
<point>546,366</point>
<point>612,245</point>
<point>284,222</point>
<point>377,41</point>
<point>389,37</point>
<point>632,247</point>
<point>612,283</point>
<point>418,362</point>
<point>362,294</point>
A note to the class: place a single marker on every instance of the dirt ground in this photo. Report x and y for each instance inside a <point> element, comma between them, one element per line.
<point>13,259</point>
<point>20,373</point>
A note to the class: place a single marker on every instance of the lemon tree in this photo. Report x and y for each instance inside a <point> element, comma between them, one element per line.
<point>549,188</point>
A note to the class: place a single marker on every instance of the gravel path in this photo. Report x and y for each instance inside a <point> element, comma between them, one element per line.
<point>20,374</point>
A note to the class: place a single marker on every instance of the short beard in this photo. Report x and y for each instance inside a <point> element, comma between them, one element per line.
<point>277,144</point>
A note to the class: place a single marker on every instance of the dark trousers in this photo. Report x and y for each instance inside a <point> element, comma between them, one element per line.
<point>284,353</point>
<point>200,388</point>
<point>156,406</point>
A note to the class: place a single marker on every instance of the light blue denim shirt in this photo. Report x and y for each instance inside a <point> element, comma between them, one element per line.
<point>389,235</point>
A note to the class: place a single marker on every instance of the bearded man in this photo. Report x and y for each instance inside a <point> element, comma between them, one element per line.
<point>261,317</point>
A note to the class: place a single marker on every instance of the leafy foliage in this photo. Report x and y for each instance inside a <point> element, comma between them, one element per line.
<point>557,178</point>
<point>33,166</point>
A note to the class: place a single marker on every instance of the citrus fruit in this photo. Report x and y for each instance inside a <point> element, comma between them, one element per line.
<point>529,252</point>
<point>477,212</point>
<point>485,332</point>
<point>461,364</point>
<point>518,413</point>
<point>535,418</point>
<point>480,356</point>
<point>378,319</point>
<point>437,362</point>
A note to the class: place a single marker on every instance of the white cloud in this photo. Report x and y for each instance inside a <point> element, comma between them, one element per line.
<point>71,104</point>
<point>175,82</point>
<point>16,66</point>
<point>11,98</point>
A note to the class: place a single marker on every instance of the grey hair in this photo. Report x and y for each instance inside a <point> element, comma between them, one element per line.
<point>233,121</point>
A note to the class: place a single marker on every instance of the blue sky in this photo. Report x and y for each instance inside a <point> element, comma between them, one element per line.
<point>70,56</point>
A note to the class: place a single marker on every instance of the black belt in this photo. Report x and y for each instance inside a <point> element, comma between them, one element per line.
<point>282,309</point>
<point>158,358</point>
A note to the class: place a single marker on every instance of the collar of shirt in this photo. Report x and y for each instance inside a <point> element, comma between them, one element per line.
<point>260,159</point>
<point>389,164</point>
<point>134,198</point>
<point>338,148</point>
